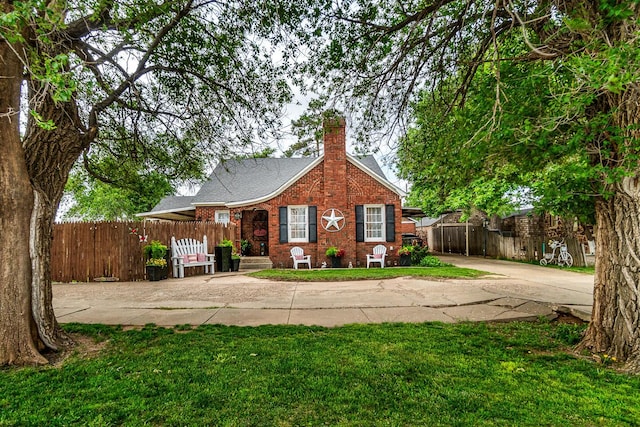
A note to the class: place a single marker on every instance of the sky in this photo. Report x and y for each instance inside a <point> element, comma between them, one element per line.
<point>292,111</point>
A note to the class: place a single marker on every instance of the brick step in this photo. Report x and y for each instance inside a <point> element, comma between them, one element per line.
<point>255,263</point>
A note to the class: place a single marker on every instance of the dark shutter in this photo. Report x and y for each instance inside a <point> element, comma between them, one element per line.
<point>284,232</point>
<point>390,223</point>
<point>313,224</point>
<point>359,223</point>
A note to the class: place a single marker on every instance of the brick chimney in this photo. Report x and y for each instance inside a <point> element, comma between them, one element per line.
<point>335,191</point>
<point>335,158</point>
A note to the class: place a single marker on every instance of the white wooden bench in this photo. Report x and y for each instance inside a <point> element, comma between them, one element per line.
<point>190,253</point>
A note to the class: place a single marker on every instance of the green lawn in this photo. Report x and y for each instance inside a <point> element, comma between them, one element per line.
<point>391,374</point>
<point>342,274</point>
<point>585,270</point>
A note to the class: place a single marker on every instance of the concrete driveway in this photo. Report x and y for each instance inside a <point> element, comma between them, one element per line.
<point>512,292</point>
<point>534,282</point>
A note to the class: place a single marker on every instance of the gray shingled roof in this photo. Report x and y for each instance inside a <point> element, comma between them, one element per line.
<point>520,212</point>
<point>238,180</point>
<point>249,179</point>
<point>371,163</point>
<point>426,221</point>
<point>171,203</point>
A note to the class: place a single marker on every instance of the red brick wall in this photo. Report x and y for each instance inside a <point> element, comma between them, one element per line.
<point>408,227</point>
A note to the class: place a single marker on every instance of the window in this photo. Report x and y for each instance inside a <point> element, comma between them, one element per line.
<point>298,229</point>
<point>298,224</point>
<point>374,223</point>
<point>222,217</point>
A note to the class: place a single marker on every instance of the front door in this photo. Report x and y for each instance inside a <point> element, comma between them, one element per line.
<point>255,229</point>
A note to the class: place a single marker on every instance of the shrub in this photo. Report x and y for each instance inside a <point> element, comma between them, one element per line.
<point>406,250</point>
<point>333,251</point>
<point>154,250</point>
<point>418,253</point>
<point>226,243</point>
<point>431,261</point>
<point>245,246</point>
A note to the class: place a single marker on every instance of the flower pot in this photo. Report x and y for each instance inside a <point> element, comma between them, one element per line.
<point>223,258</point>
<point>155,273</point>
<point>336,262</point>
<point>405,260</point>
<point>235,264</point>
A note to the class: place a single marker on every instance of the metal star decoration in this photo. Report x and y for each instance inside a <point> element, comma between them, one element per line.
<point>333,220</point>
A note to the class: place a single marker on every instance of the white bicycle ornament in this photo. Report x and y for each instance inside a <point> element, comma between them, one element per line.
<point>563,258</point>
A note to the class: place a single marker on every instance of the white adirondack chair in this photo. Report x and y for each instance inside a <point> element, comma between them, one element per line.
<point>379,253</point>
<point>298,256</point>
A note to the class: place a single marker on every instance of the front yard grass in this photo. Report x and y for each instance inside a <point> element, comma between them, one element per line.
<point>388,374</point>
<point>585,270</point>
<point>344,274</point>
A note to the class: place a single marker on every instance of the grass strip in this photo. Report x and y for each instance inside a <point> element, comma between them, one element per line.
<point>388,374</point>
<point>349,274</point>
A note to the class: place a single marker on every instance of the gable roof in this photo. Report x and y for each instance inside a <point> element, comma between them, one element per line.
<point>248,181</point>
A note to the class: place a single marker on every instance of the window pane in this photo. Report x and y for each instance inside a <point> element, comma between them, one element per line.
<point>222,217</point>
<point>298,223</point>
<point>373,223</point>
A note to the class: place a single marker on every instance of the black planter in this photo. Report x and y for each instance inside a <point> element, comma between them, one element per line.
<point>336,262</point>
<point>155,273</point>
<point>405,260</point>
<point>235,264</point>
<point>223,258</point>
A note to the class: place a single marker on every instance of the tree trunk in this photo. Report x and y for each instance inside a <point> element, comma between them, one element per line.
<point>18,334</point>
<point>42,218</point>
<point>615,322</point>
<point>50,155</point>
<point>33,173</point>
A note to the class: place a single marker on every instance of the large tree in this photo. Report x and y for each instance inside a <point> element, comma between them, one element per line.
<point>497,154</point>
<point>165,85</point>
<point>387,50</point>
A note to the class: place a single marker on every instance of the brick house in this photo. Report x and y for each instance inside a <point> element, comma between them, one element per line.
<point>278,203</point>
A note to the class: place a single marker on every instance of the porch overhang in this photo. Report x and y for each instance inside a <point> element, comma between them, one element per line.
<point>411,212</point>
<point>186,214</point>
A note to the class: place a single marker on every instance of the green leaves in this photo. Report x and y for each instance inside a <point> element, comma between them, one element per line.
<point>617,11</point>
<point>95,200</point>
<point>170,87</point>
<point>41,122</point>
<point>496,154</point>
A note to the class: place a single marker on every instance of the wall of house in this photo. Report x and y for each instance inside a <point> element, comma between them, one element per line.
<point>408,227</point>
<point>335,183</point>
<point>360,189</point>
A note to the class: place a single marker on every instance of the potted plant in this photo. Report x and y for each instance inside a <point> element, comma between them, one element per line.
<point>235,261</point>
<point>335,254</point>
<point>223,255</point>
<point>405,255</point>
<point>245,247</point>
<point>157,267</point>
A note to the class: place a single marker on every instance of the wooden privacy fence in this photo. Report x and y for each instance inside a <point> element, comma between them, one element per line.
<point>453,239</point>
<point>84,251</point>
